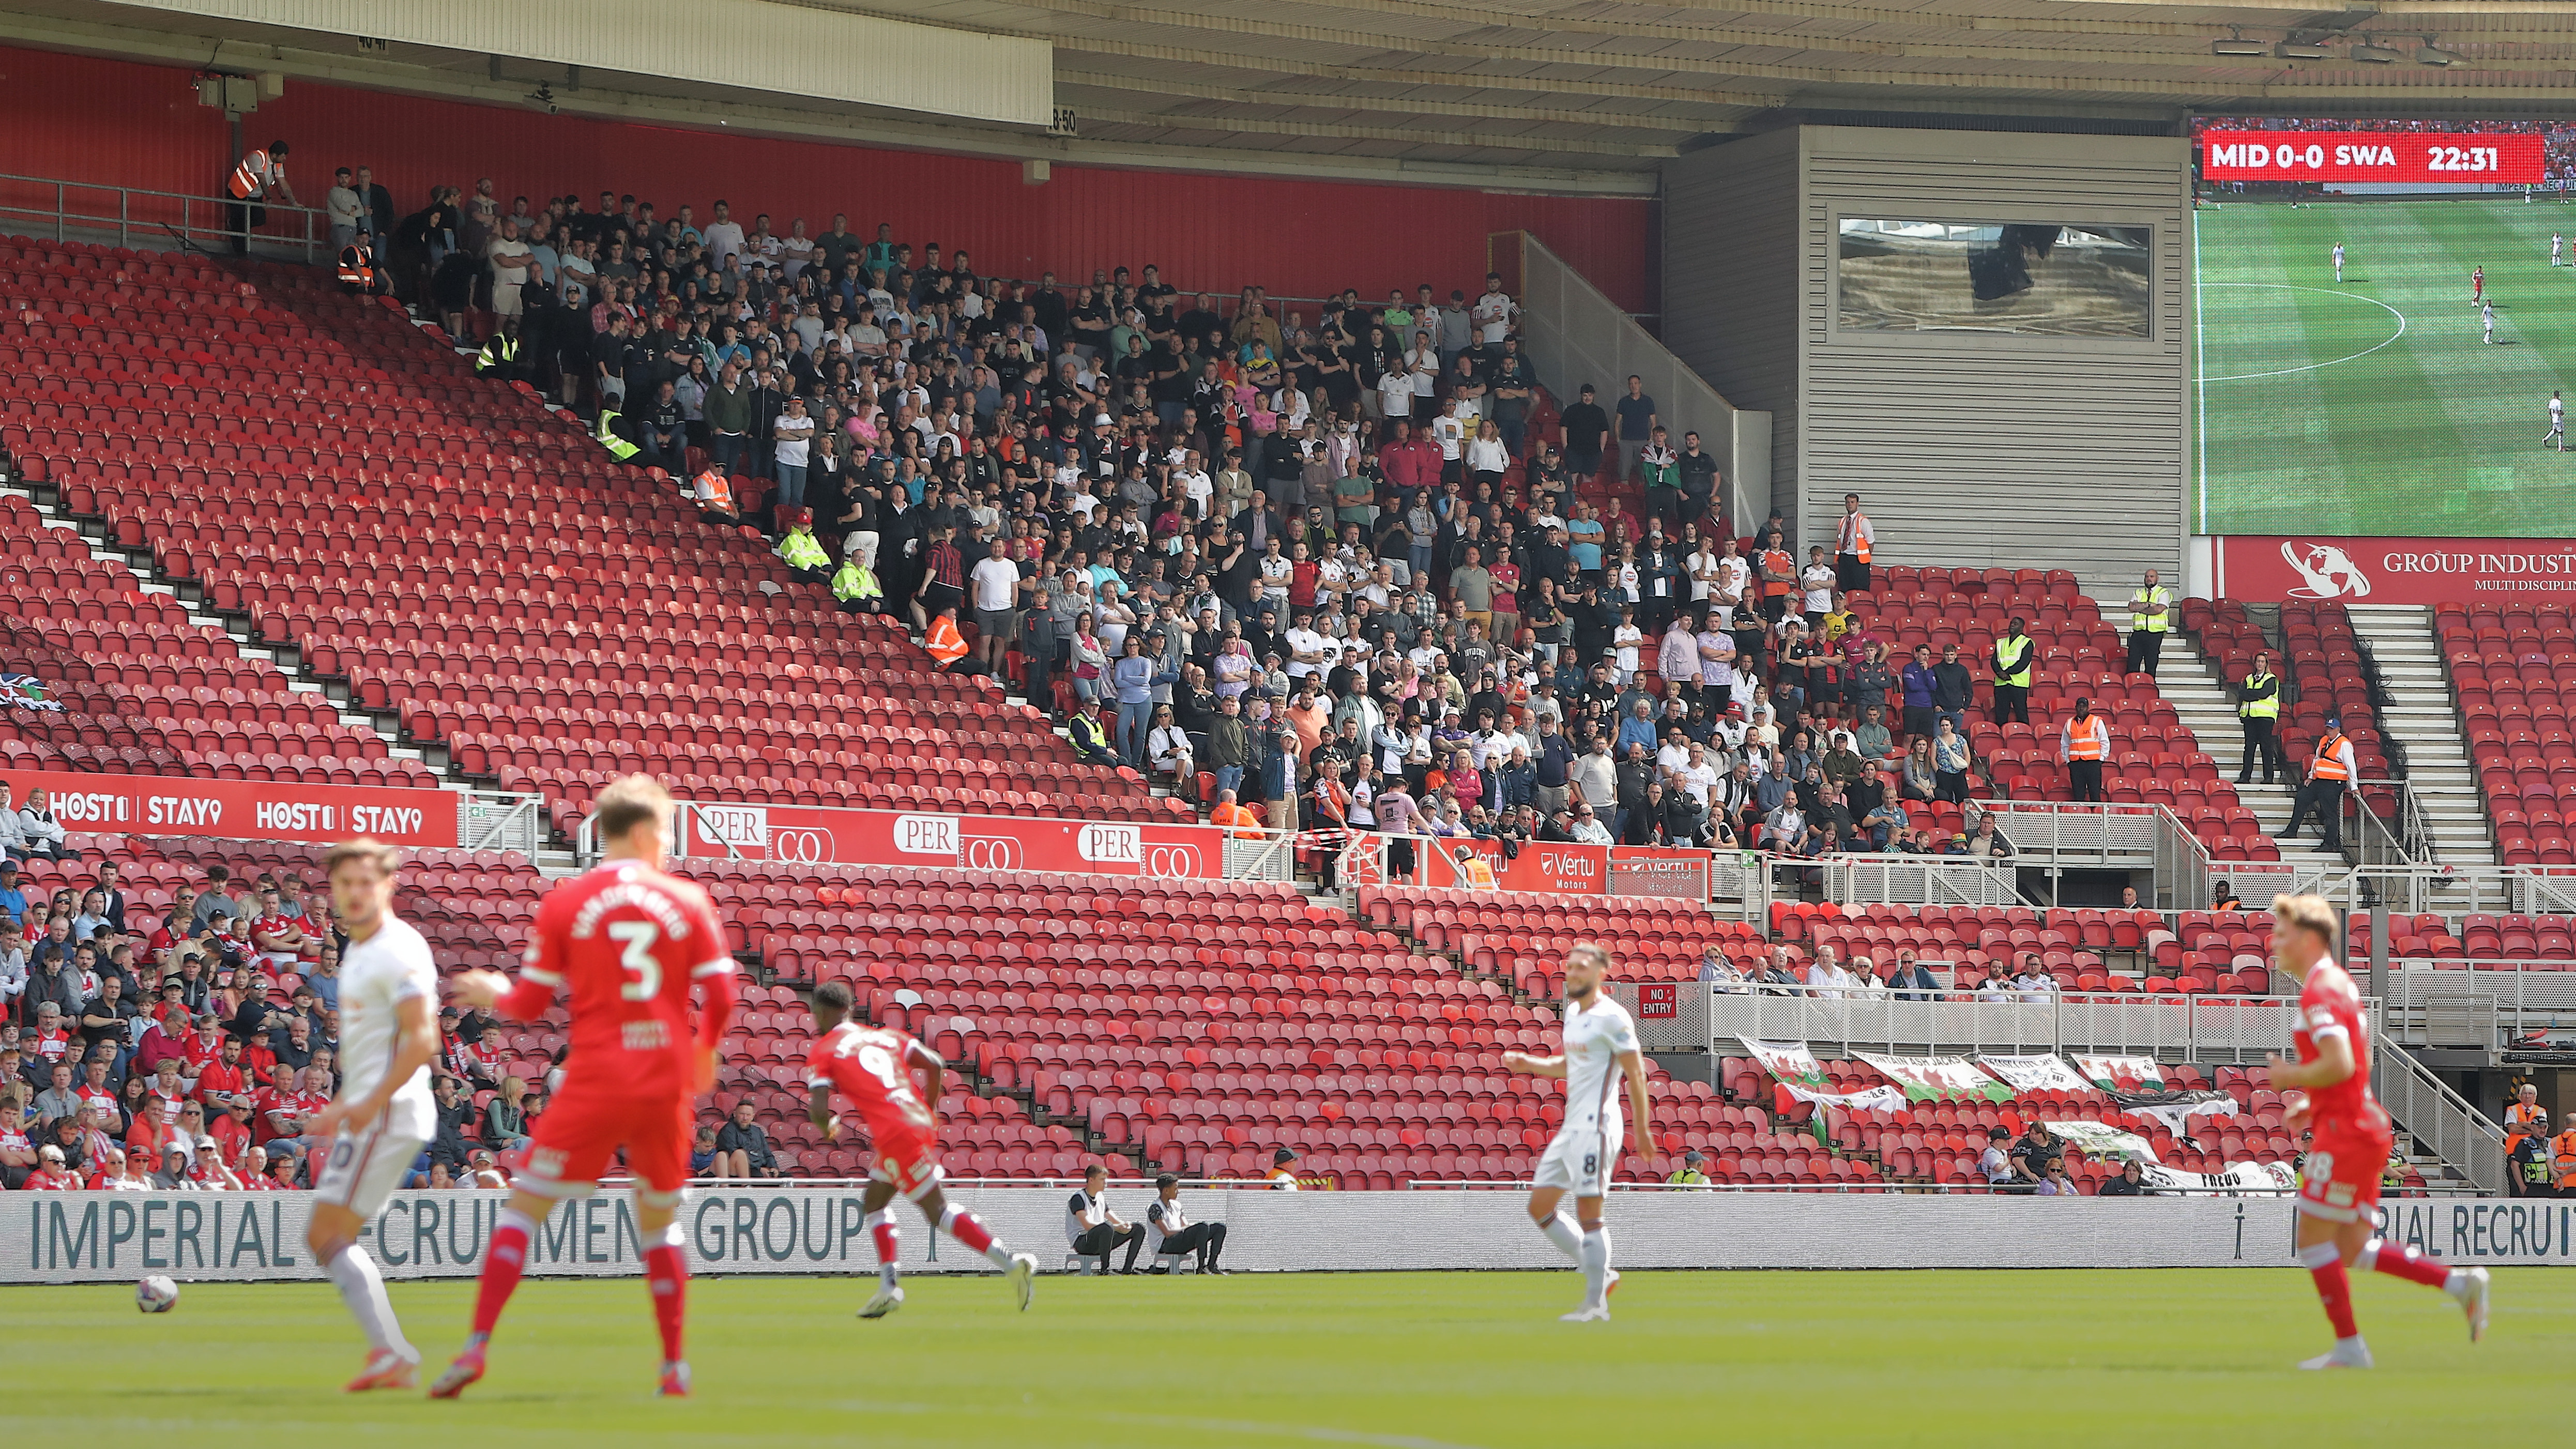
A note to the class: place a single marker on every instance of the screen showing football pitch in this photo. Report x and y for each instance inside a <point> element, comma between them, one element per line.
<point>2384,312</point>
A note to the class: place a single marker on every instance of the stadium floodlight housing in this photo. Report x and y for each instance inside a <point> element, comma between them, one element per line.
<point>2377,54</point>
<point>2300,50</point>
<point>2237,44</point>
<point>2432,54</point>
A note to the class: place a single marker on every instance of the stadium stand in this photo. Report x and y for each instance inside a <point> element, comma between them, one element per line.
<point>113,678</point>
<point>2509,664</point>
<point>482,619</point>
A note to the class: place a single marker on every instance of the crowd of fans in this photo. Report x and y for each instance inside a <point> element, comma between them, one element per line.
<point>189,1051</point>
<point>1334,564</point>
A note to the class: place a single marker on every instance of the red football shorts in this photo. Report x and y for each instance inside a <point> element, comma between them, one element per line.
<point>910,1163</point>
<point>587,1124</point>
<point>2340,1179</point>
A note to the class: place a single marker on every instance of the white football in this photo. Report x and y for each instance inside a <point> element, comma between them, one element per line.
<point>156,1294</point>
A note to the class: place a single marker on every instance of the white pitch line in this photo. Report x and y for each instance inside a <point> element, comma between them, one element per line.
<point>2312,366</point>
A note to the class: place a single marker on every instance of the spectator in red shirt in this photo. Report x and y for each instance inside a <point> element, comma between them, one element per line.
<point>174,928</point>
<point>282,1108</point>
<point>159,1042</point>
<point>51,1175</point>
<point>1409,462</point>
<point>232,1131</point>
<point>224,1080</point>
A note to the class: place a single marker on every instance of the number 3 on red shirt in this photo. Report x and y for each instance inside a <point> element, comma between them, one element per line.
<point>638,959</point>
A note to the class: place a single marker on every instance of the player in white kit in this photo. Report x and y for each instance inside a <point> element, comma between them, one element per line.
<point>2338,263</point>
<point>2557,422</point>
<point>2556,243</point>
<point>384,1114</point>
<point>1600,1049</point>
<point>2488,312</point>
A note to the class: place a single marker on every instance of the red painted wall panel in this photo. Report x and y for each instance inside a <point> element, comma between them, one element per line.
<point>140,125</point>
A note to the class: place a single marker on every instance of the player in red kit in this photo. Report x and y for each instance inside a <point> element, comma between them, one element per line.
<point>630,944</point>
<point>2348,1138</point>
<point>873,1067</point>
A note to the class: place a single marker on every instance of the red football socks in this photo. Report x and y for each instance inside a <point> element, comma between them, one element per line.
<point>2334,1286</point>
<point>667,1273</point>
<point>2398,1261</point>
<point>503,1262</point>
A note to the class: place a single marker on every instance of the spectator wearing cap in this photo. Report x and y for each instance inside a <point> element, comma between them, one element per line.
<point>1692,1172</point>
<point>1283,1171</point>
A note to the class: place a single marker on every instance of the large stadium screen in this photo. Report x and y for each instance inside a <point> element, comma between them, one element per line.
<point>2384,309</point>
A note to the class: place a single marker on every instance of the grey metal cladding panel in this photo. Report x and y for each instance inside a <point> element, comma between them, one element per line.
<point>2092,444</point>
<point>1731,263</point>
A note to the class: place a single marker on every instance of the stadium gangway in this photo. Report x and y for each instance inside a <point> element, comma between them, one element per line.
<point>151,218</point>
<point>2439,1119</point>
<point>2053,836</point>
<point>2234,1030</point>
<point>2505,1009</point>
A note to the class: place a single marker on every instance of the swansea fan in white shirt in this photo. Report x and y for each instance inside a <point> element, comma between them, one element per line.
<point>384,1114</point>
<point>1600,1049</point>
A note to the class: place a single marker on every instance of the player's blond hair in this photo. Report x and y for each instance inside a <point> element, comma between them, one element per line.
<point>629,802</point>
<point>385,858</point>
<point>2309,913</point>
<point>1599,953</point>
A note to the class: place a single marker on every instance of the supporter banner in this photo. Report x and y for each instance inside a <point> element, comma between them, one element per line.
<point>2269,569</point>
<point>26,691</point>
<point>1790,1062</point>
<point>817,835</point>
<point>2043,1073</point>
<point>1939,1079</point>
<point>2434,158</point>
<point>241,809</point>
<point>2240,1177</point>
<point>2109,1072</point>
<point>119,1237</point>
<point>2176,1109</point>
<point>1645,870</point>
<point>2094,1139</point>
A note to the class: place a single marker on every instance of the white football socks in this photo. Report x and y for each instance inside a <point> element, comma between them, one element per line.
<point>363,1289</point>
<point>1561,1231</point>
<point>1596,1265</point>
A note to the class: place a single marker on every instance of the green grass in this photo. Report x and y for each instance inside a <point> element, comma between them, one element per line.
<point>2357,429</point>
<point>1877,1359</point>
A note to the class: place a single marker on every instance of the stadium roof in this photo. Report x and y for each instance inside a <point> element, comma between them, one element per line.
<point>1570,95</point>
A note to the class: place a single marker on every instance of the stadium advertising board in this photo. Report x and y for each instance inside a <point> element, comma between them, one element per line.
<point>2266,568</point>
<point>2426,157</point>
<point>1557,868</point>
<point>814,835</point>
<point>109,1237</point>
<point>241,809</point>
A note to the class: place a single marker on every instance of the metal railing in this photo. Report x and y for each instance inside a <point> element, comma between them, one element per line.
<point>500,820</point>
<point>31,205</point>
<point>2429,888</point>
<point>2497,1007</point>
<point>1879,879</point>
<point>2230,1029</point>
<point>2439,1119</point>
<point>2402,837</point>
<point>2055,836</point>
<point>1575,335</point>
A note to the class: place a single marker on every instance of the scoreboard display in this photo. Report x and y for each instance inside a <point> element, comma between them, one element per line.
<point>2422,157</point>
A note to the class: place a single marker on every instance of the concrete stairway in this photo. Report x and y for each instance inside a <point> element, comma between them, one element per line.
<point>2422,717</point>
<point>2190,682</point>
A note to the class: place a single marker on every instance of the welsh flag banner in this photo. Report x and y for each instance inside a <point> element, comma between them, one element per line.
<point>2043,1073</point>
<point>1939,1079</point>
<point>2094,1139</point>
<point>1790,1061</point>
<point>2126,1074</point>
<point>2176,1109</point>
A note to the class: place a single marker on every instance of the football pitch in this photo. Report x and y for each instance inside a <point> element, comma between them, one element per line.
<point>1419,1361</point>
<point>2374,406</point>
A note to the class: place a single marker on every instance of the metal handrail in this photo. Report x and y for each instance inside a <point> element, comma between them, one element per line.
<point>158,219</point>
<point>2437,1117</point>
<point>2188,1026</point>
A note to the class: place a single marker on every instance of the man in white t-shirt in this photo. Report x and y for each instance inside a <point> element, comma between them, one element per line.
<point>1600,1054</point>
<point>1494,312</point>
<point>1169,1233</point>
<point>995,583</point>
<point>724,237</point>
<point>513,263</point>
<point>1193,477</point>
<point>1818,579</point>
<point>793,435</point>
<point>1309,653</point>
